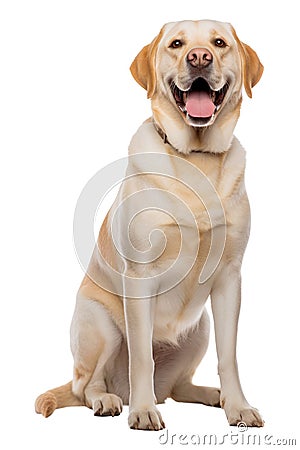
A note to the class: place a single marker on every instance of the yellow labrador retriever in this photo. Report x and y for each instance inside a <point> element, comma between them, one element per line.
<point>137,339</point>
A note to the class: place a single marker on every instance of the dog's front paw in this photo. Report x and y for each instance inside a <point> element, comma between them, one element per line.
<point>145,419</point>
<point>245,414</point>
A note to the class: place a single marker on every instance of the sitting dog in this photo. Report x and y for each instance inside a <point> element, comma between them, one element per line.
<point>137,337</point>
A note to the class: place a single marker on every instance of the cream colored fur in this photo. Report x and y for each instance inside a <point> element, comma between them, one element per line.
<point>139,351</point>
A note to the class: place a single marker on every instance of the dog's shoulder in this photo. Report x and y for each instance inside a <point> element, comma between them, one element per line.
<point>232,182</point>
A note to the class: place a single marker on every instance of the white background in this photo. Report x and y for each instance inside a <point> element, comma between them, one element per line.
<point>68,107</point>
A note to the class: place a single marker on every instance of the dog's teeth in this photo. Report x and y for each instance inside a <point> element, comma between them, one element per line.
<point>184,96</point>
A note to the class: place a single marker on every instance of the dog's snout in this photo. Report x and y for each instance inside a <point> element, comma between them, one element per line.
<point>199,57</point>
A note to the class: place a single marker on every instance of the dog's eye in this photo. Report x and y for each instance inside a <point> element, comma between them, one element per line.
<point>176,44</point>
<point>220,43</point>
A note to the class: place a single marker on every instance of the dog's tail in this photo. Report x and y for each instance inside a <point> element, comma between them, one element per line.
<point>56,398</point>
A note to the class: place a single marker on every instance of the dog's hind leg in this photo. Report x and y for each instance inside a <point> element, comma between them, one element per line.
<point>187,392</point>
<point>95,339</point>
<point>177,365</point>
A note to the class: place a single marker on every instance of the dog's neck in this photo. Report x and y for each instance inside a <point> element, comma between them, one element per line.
<point>215,138</point>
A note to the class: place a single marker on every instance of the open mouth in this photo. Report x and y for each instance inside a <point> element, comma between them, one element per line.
<point>200,103</point>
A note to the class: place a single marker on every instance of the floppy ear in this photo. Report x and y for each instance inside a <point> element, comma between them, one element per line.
<point>252,67</point>
<point>143,68</point>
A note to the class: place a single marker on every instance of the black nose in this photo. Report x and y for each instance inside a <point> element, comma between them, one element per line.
<point>199,57</point>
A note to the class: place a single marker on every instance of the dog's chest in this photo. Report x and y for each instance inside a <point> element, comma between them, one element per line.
<point>169,213</point>
<point>171,221</point>
<point>179,206</point>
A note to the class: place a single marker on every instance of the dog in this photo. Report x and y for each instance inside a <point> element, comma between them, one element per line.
<point>139,340</point>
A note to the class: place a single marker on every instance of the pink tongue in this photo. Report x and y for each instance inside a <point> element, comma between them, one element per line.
<point>199,104</point>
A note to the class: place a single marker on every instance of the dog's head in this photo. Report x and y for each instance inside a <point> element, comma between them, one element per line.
<point>194,71</point>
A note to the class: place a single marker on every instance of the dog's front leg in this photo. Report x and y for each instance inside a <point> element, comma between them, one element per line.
<point>226,298</point>
<point>143,413</point>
